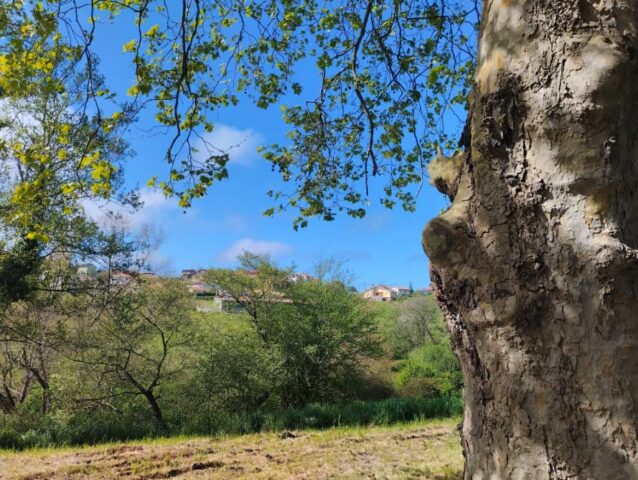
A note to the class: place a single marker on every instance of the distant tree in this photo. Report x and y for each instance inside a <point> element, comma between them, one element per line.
<point>32,336</point>
<point>237,370</point>
<point>130,345</point>
<point>418,321</point>
<point>256,285</point>
<point>323,333</point>
<point>332,269</point>
<point>55,156</point>
<point>321,330</point>
<point>430,370</point>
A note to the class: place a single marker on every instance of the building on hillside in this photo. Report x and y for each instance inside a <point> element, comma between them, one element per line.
<point>226,303</point>
<point>86,274</point>
<point>424,291</point>
<point>218,303</point>
<point>379,293</point>
<point>119,279</point>
<point>385,293</point>
<point>191,273</point>
<point>217,300</point>
<point>300,277</point>
<point>402,291</point>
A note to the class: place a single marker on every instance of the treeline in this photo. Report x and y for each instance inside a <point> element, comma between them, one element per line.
<point>113,357</point>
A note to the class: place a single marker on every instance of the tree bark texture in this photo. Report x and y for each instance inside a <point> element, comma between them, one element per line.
<point>535,264</point>
<point>155,408</point>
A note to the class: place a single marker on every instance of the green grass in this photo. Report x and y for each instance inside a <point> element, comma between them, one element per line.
<point>36,431</point>
<point>425,449</point>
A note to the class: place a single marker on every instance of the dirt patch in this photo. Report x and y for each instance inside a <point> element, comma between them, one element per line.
<point>206,465</point>
<point>123,449</point>
<point>386,452</point>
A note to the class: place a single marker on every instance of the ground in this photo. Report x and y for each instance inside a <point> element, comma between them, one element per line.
<point>424,450</point>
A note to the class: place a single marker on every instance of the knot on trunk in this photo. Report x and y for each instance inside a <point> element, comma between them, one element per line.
<point>445,172</point>
<point>445,240</point>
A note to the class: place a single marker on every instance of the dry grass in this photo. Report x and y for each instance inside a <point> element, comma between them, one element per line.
<point>420,450</point>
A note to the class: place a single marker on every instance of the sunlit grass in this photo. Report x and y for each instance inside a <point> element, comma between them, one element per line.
<point>425,449</point>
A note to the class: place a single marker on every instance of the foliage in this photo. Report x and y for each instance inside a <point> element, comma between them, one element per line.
<point>320,330</point>
<point>30,339</point>
<point>389,76</point>
<point>55,153</point>
<point>415,336</point>
<point>333,269</point>
<point>129,343</point>
<point>431,370</point>
<point>81,428</point>
<point>19,268</point>
<point>418,322</point>
<point>236,370</point>
<point>123,355</point>
<point>324,333</point>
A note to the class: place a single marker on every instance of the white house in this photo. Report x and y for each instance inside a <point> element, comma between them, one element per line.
<point>385,293</point>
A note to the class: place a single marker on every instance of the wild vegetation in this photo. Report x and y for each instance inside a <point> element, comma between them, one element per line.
<point>106,358</point>
<point>534,263</point>
<point>425,450</point>
<point>102,359</point>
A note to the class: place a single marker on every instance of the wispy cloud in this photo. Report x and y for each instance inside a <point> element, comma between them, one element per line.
<point>159,212</point>
<point>240,145</point>
<point>156,206</point>
<point>261,247</point>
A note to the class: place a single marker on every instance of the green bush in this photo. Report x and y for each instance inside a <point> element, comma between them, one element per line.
<point>431,370</point>
<point>20,431</point>
<point>28,431</point>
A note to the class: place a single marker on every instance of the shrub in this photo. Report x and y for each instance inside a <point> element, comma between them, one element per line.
<point>431,370</point>
<point>25,431</point>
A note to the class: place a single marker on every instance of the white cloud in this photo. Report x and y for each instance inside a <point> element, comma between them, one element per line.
<point>156,206</point>
<point>240,145</point>
<point>160,263</point>
<point>260,247</point>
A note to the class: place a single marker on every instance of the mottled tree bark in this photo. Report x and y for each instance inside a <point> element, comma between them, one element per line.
<point>536,262</point>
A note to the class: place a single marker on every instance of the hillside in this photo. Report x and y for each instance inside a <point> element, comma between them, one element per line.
<point>418,450</point>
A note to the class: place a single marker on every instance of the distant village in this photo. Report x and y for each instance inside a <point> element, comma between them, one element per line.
<point>220,301</point>
<point>376,293</point>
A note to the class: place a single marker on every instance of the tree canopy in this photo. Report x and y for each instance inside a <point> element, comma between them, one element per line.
<point>389,77</point>
<point>368,90</point>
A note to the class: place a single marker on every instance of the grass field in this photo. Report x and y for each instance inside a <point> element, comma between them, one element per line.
<point>429,450</point>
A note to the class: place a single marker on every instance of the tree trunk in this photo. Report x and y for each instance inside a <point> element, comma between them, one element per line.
<point>45,406</point>
<point>155,408</point>
<point>536,263</point>
<point>7,404</point>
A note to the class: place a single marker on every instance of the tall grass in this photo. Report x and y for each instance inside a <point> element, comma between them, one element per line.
<point>320,416</point>
<point>36,431</point>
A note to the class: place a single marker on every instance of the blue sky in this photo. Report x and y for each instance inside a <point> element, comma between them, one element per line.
<point>384,247</point>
